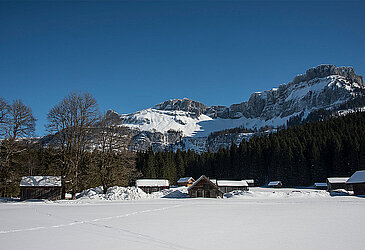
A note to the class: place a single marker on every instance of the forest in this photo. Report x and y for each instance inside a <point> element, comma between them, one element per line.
<point>298,156</point>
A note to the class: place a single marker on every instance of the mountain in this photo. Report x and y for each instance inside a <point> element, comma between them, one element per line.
<point>187,124</point>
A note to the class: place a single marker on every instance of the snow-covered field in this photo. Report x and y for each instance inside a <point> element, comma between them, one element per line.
<point>259,219</point>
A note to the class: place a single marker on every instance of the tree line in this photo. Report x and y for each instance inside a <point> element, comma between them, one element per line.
<point>298,155</point>
<point>84,146</point>
<point>87,149</point>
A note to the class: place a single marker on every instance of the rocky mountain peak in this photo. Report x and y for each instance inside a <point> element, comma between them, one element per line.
<point>185,104</point>
<point>325,70</point>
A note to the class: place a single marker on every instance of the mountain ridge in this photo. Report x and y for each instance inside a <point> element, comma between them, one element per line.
<point>322,87</point>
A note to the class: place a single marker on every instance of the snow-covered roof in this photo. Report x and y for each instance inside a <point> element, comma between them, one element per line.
<point>201,177</point>
<point>274,183</point>
<point>41,181</point>
<point>226,183</point>
<point>250,181</point>
<point>152,183</point>
<point>357,177</point>
<point>320,184</point>
<point>185,179</point>
<point>337,179</point>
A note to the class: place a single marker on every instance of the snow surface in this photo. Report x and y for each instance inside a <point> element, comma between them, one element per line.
<point>40,181</point>
<point>228,183</point>
<point>357,177</point>
<point>162,121</point>
<point>337,179</point>
<point>152,183</point>
<point>261,218</point>
<point>154,120</point>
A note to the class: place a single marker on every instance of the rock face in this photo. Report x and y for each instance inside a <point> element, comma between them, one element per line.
<point>186,124</point>
<point>193,107</point>
<point>319,87</point>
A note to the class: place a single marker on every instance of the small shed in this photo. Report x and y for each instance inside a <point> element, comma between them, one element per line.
<point>204,188</point>
<point>250,182</point>
<point>41,187</point>
<point>357,180</point>
<point>226,186</point>
<point>320,185</point>
<point>275,184</point>
<point>185,181</point>
<point>152,185</point>
<point>335,183</point>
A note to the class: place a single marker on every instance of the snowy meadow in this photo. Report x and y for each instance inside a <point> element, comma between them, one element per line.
<point>125,218</point>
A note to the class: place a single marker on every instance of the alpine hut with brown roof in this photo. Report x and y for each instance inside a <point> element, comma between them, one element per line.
<point>227,186</point>
<point>204,188</point>
<point>335,183</point>
<point>275,184</point>
<point>41,187</point>
<point>357,180</point>
<point>185,181</point>
<point>152,185</point>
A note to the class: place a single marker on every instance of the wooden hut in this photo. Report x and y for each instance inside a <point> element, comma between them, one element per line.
<point>41,187</point>
<point>357,180</point>
<point>275,184</point>
<point>226,186</point>
<point>335,183</point>
<point>205,188</point>
<point>250,182</point>
<point>152,185</point>
<point>185,181</point>
<point>320,185</point>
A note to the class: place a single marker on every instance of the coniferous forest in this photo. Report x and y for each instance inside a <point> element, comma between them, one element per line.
<point>298,156</point>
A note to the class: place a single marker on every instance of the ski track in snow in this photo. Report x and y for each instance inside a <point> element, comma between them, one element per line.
<point>149,239</point>
<point>76,222</point>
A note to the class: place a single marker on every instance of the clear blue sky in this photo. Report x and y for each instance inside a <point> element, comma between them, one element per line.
<point>133,55</point>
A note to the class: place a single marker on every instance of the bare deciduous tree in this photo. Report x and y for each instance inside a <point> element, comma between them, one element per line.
<point>71,122</point>
<point>17,121</point>
<point>111,158</point>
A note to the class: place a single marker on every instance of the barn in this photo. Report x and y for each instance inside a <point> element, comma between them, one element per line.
<point>320,185</point>
<point>185,181</point>
<point>250,182</point>
<point>226,186</point>
<point>335,183</point>
<point>152,185</point>
<point>275,184</point>
<point>205,188</point>
<point>41,187</point>
<point>357,180</point>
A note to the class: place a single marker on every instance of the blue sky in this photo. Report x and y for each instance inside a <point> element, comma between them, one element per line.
<point>133,55</point>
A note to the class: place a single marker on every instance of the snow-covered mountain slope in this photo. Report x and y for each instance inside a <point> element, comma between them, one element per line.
<point>155,120</point>
<point>322,87</point>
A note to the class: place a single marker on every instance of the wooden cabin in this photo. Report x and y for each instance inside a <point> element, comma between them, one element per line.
<point>185,181</point>
<point>226,186</point>
<point>204,188</point>
<point>250,182</point>
<point>320,185</point>
<point>152,185</point>
<point>275,184</point>
<point>41,187</point>
<point>357,180</point>
<point>335,183</point>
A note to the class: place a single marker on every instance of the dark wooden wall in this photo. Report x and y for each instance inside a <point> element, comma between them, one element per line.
<point>359,188</point>
<point>149,190</point>
<point>49,193</point>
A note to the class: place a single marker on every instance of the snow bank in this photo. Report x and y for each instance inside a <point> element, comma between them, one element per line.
<point>268,193</point>
<point>130,193</point>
